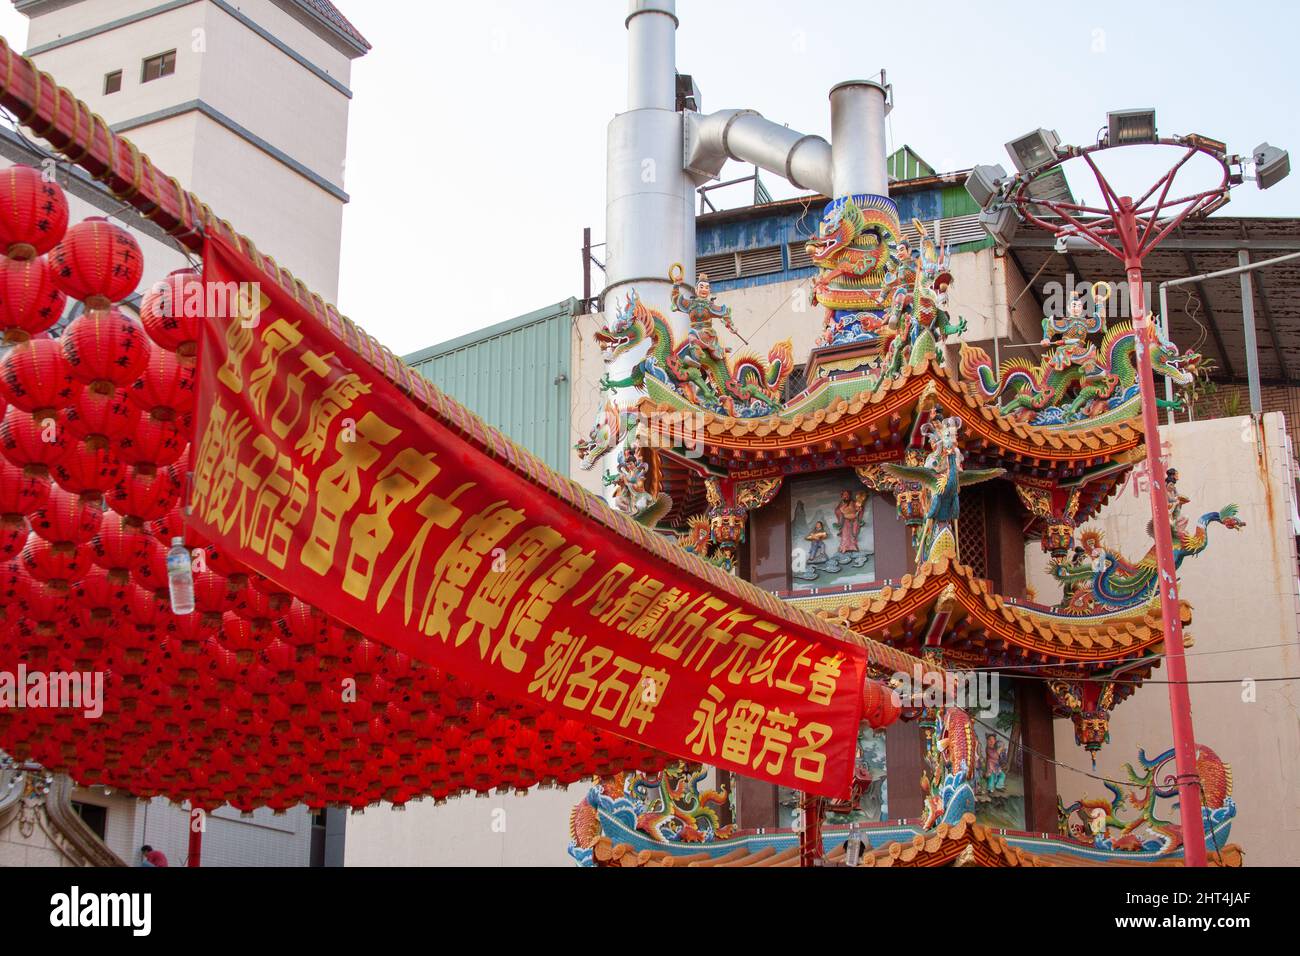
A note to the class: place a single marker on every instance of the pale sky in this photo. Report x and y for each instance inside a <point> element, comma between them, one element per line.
<point>477,138</point>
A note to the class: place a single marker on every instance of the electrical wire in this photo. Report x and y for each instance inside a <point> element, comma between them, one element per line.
<point>66,168</point>
<point>1141,660</point>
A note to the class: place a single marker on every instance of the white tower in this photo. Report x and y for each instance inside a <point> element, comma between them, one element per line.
<point>247,105</point>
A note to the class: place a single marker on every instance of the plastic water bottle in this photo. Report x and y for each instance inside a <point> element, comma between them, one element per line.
<point>180,578</point>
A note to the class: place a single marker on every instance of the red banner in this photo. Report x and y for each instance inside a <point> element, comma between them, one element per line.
<point>407,518</point>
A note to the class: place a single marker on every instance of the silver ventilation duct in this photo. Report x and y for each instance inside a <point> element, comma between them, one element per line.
<point>744,135</point>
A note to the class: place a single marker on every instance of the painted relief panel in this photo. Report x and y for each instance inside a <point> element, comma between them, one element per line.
<point>872,807</point>
<point>1000,769</point>
<point>831,536</point>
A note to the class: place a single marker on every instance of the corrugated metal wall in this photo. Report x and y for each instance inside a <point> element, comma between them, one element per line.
<point>515,376</point>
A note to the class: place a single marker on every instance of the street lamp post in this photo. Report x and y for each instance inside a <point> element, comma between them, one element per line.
<point>1129,230</point>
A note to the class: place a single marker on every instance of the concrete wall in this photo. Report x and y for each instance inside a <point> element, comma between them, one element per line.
<point>1243,591</point>
<point>231,839</point>
<point>506,830</point>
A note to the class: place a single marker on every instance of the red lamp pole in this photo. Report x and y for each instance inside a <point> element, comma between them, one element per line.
<point>198,820</point>
<point>1180,702</point>
<point>1129,230</point>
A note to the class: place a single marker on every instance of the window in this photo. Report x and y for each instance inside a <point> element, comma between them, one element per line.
<point>94,816</point>
<point>164,64</point>
<point>112,82</point>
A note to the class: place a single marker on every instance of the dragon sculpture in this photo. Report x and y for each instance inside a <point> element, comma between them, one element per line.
<point>740,386</point>
<point>876,288</point>
<point>1096,384</point>
<point>1108,582</point>
<point>675,808</point>
<point>608,431</point>
<point>1148,830</point>
<point>671,806</point>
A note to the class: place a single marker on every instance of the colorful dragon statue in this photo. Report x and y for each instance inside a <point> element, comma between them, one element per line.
<point>740,386</point>
<point>1148,830</point>
<point>668,807</point>
<point>675,808</point>
<point>876,288</point>
<point>608,431</point>
<point>1108,582</point>
<point>1094,386</point>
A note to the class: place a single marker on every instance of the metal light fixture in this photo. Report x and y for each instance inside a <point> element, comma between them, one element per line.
<point>1127,127</point>
<point>1000,223</point>
<point>1034,149</point>
<point>1272,165</point>
<point>982,183</point>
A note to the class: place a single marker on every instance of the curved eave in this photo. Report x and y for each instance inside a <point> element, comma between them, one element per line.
<point>879,423</point>
<point>979,619</point>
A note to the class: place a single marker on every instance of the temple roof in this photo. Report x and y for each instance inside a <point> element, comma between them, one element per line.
<point>978,622</point>
<point>964,843</point>
<point>853,415</point>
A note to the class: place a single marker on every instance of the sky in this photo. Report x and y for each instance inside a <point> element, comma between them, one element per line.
<point>477,130</point>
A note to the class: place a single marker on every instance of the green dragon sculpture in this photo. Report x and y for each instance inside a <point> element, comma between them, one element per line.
<point>1148,830</point>
<point>738,386</point>
<point>1064,390</point>
<point>1108,582</point>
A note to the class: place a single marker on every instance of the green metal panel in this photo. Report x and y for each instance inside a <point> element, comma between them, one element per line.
<point>514,375</point>
<point>904,164</point>
<point>958,202</point>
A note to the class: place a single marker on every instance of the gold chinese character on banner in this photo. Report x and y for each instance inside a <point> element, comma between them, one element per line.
<point>339,487</point>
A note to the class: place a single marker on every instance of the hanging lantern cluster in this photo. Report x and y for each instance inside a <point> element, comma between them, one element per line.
<point>256,698</point>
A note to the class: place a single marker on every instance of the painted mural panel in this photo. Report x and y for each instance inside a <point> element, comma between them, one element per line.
<point>832,539</point>
<point>872,806</point>
<point>1000,767</point>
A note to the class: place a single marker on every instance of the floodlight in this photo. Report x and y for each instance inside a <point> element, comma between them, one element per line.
<point>1034,149</point>
<point>982,183</point>
<point>1000,223</point>
<point>1127,127</point>
<point>1272,165</point>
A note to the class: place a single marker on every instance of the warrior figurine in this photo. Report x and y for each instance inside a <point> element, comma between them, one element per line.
<point>702,310</point>
<point>1068,337</point>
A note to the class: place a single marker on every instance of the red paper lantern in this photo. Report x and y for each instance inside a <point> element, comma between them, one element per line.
<point>150,569</point>
<point>97,262</point>
<point>31,444</point>
<point>86,468</point>
<point>35,377</point>
<point>880,704</point>
<point>33,212</point>
<point>67,518</point>
<point>140,496</point>
<point>150,443</point>
<point>118,547</point>
<point>172,309</point>
<point>51,562</point>
<point>165,389</point>
<point>171,525</point>
<point>12,539</point>
<point>29,301</point>
<point>20,493</point>
<point>100,417</point>
<point>106,349</point>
